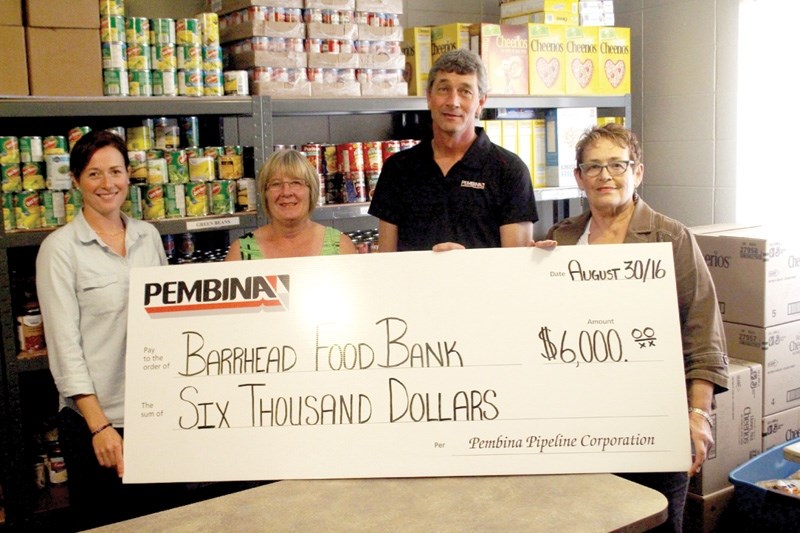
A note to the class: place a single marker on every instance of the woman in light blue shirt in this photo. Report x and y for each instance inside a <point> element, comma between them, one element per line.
<point>82,276</point>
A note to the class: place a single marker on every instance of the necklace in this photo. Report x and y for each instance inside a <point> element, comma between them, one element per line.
<point>110,234</point>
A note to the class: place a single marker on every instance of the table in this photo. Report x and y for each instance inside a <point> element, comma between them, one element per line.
<point>570,502</point>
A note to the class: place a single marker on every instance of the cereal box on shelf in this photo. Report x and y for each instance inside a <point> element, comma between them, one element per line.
<point>523,7</point>
<point>544,17</point>
<point>504,50</point>
<point>581,58</point>
<point>447,37</point>
<point>546,58</point>
<point>417,51</point>
<point>614,61</point>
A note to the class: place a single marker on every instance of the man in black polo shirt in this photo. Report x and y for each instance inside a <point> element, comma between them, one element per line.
<point>458,189</point>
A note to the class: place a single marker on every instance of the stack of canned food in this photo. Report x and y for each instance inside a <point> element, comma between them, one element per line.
<point>366,241</point>
<point>36,183</point>
<point>172,176</point>
<point>160,56</point>
<point>349,172</point>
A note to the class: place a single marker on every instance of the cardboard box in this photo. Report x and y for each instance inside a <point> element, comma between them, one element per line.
<point>737,427</point>
<point>227,6</point>
<point>546,60</point>
<point>494,130</point>
<point>706,514</point>
<point>504,50</point>
<point>780,428</point>
<point>558,18</point>
<point>380,6</point>
<point>777,349</point>
<point>448,37</point>
<point>756,273</point>
<point>10,12</point>
<point>563,128</point>
<point>581,59</point>
<point>64,62</point>
<point>539,168</point>
<point>614,61</point>
<point>523,7</point>
<point>72,14</point>
<point>417,50</point>
<point>14,71</point>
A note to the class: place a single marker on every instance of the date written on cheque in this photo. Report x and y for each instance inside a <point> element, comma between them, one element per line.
<point>636,269</point>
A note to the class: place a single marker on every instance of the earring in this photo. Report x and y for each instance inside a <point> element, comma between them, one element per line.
<point>582,196</point>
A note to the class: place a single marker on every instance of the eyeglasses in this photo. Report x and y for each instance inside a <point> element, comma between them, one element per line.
<point>615,168</point>
<point>294,185</point>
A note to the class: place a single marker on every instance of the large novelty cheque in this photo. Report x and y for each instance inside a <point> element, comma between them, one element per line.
<point>473,362</point>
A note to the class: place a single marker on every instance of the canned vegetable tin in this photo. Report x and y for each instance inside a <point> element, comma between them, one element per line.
<point>9,212</point>
<point>115,55</point>
<point>174,200</point>
<point>33,176</point>
<point>154,202</point>
<point>73,201</point>
<point>165,83</point>
<point>30,149</point>
<point>137,30</point>
<point>112,7</point>
<point>133,204</point>
<point>223,197</point>
<point>178,166</point>
<point>27,210</point>
<point>187,31</point>
<point>9,150</point>
<point>112,29</point>
<point>115,82</point>
<point>163,57</point>
<point>11,177</point>
<point>162,31</point>
<point>53,208</point>
<point>75,134</point>
<point>196,200</point>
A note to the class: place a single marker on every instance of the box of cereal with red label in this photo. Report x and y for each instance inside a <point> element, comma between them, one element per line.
<point>546,59</point>
<point>581,59</point>
<point>614,60</point>
<point>504,50</point>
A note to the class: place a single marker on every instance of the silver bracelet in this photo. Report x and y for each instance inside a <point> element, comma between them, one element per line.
<point>704,414</point>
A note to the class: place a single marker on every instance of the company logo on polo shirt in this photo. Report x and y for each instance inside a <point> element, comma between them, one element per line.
<point>212,294</point>
<point>473,184</point>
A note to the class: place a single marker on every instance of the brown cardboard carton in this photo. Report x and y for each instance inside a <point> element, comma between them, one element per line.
<point>705,514</point>
<point>14,71</point>
<point>504,50</point>
<point>737,427</point>
<point>61,14</point>
<point>64,62</point>
<point>10,12</point>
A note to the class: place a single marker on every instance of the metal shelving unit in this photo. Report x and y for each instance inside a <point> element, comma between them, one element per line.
<point>239,120</point>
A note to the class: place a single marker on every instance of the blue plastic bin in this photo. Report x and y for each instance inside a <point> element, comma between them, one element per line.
<point>759,509</point>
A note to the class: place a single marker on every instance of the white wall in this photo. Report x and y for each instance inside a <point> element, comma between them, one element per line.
<point>684,104</point>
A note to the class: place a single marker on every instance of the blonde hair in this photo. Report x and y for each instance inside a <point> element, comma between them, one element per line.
<point>290,163</point>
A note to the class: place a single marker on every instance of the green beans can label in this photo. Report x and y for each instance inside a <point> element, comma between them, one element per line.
<point>223,197</point>
<point>133,205</point>
<point>212,83</point>
<point>112,28</point>
<point>33,176</point>
<point>30,149</point>
<point>11,177</point>
<point>137,30</point>
<point>115,55</point>
<point>53,208</point>
<point>73,201</point>
<point>197,204</point>
<point>139,57</point>
<point>154,202</point>
<point>162,31</point>
<point>174,200</point>
<point>54,144</point>
<point>28,213</point>
<point>163,57</point>
<point>115,82</point>
<point>9,212</point>
<point>212,58</point>
<point>9,150</point>
<point>165,83</point>
<point>157,171</point>
<point>190,57</point>
<point>57,168</point>
<point>187,31</point>
<point>178,166</point>
<point>112,7</point>
<point>140,83</point>
<point>190,82</point>
<point>75,134</point>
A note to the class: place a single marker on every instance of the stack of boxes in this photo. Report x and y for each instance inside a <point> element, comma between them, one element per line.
<point>14,74</point>
<point>317,47</point>
<point>63,44</point>
<point>756,273</point>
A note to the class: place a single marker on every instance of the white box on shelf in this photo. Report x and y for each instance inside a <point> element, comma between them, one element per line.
<point>563,128</point>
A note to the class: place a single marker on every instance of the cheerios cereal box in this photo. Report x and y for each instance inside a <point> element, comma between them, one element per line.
<point>546,70</point>
<point>504,50</point>
<point>417,49</point>
<point>448,37</point>
<point>581,58</point>
<point>614,60</point>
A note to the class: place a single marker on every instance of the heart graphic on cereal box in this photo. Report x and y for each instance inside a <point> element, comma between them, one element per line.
<point>615,72</point>
<point>582,71</point>
<point>548,70</point>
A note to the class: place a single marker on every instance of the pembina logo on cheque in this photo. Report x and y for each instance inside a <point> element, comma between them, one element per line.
<point>212,294</point>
